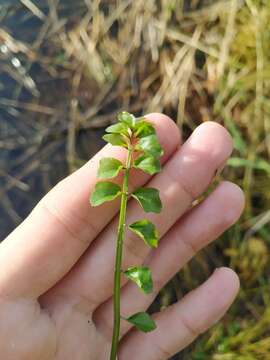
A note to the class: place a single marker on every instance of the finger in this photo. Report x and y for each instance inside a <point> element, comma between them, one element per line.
<point>186,319</point>
<point>199,227</point>
<point>63,225</point>
<point>184,177</point>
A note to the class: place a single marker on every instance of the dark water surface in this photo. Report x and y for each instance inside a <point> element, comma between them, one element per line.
<point>33,144</point>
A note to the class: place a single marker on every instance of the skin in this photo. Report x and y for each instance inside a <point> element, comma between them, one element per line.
<point>56,268</point>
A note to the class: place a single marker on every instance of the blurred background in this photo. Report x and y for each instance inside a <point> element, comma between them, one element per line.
<point>67,67</point>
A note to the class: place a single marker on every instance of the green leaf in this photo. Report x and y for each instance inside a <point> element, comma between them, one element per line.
<point>109,168</point>
<point>142,276</point>
<point>104,191</point>
<point>150,145</point>
<point>149,199</point>
<point>143,128</point>
<point>142,321</point>
<point>147,231</point>
<point>118,128</point>
<point>148,164</point>
<point>127,119</point>
<point>115,139</point>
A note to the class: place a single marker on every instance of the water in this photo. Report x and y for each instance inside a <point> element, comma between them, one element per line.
<point>33,142</point>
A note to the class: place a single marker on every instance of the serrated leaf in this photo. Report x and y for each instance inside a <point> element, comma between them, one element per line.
<point>115,139</point>
<point>118,128</point>
<point>146,230</point>
<point>143,128</point>
<point>127,119</point>
<point>149,199</point>
<point>104,191</point>
<point>109,168</point>
<point>142,321</point>
<point>148,164</point>
<point>142,276</point>
<point>150,145</point>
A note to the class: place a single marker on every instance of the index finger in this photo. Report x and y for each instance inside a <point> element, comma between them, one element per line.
<point>63,225</point>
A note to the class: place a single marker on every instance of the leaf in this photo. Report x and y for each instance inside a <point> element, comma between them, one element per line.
<point>109,168</point>
<point>149,199</point>
<point>147,231</point>
<point>142,321</point>
<point>143,128</point>
<point>142,276</point>
<point>115,139</point>
<point>127,119</point>
<point>104,191</point>
<point>118,128</point>
<point>150,145</point>
<point>148,164</point>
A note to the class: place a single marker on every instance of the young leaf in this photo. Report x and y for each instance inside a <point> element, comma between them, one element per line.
<point>115,139</point>
<point>118,128</point>
<point>150,145</point>
<point>143,128</point>
<point>148,164</point>
<point>149,199</point>
<point>147,231</point>
<point>142,321</point>
<point>141,275</point>
<point>127,119</point>
<point>104,191</point>
<point>109,168</point>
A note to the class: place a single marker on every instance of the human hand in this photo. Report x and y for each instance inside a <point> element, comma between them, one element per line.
<point>56,275</point>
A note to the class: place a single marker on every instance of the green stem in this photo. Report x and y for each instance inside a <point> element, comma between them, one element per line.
<point>118,259</point>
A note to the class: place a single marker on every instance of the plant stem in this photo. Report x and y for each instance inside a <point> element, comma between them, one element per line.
<point>118,258</point>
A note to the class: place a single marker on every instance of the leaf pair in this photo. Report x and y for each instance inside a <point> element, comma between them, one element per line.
<point>104,191</point>
<point>128,127</point>
<point>117,134</point>
<point>110,167</point>
<point>120,133</point>
<point>126,118</point>
<point>139,127</point>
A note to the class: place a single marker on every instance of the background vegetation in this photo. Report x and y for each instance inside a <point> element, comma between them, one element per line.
<point>67,67</point>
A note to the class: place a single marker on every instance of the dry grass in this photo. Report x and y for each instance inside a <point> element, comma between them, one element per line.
<point>68,67</point>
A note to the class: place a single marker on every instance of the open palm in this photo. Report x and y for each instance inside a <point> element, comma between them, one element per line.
<point>56,276</point>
